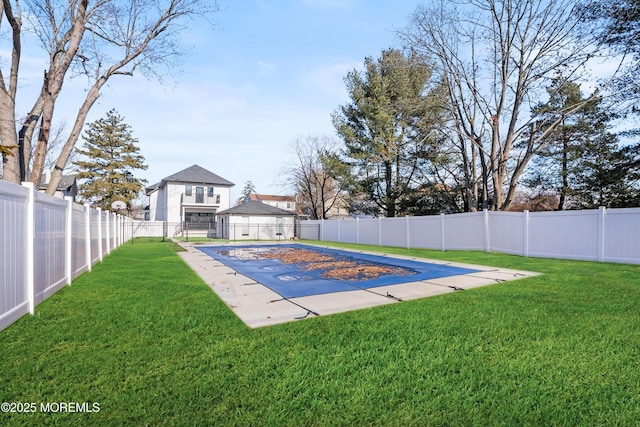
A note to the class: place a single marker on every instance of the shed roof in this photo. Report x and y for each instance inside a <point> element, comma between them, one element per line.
<point>66,182</point>
<point>256,209</point>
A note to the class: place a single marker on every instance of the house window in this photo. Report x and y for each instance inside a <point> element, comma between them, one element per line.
<point>187,190</point>
<point>288,205</point>
<point>210,192</point>
<point>279,226</point>
<point>217,198</point>
<point>199,194</point>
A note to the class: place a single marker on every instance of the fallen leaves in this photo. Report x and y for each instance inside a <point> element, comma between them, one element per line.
<point>333,267</point>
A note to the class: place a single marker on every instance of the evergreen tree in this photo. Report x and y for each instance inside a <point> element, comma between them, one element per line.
<point>554,166</point>
<point>388,127</point>
<point>582,161</point>
<point>248,189</point>
<point>109,158</point>
<point>608,174</point>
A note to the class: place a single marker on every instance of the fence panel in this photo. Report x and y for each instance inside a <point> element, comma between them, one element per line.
<point>330,231</point>
<point>425,232</point>
<point>309,230</point>
<point>13,225</point>
<point>112,230</point>
<point>564,234</point>
<point>393,232</point>
<point>622,235</point>
<point>49,245</point>
<point>506,230</point>
<point>78,241</point>
<point>348,231</point>
<point>464,231</point>
<point>95,230</point>
<point>369,233</point>
<point>104,229</point>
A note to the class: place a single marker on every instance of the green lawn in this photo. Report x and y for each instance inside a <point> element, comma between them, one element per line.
<point>144,338</point>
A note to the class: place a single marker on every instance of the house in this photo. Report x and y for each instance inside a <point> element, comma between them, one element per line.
<point>283,202</point>
<point>256,221</point>
<point>68,186</point>
<point>191,197</point>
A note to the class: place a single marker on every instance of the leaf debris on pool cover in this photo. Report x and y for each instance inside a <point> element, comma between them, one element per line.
<point>334,267</point>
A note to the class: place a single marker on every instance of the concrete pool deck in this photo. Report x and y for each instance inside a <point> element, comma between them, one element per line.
<point>257,305</point>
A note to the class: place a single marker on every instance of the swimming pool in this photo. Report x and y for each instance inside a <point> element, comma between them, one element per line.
<point>283,269</point>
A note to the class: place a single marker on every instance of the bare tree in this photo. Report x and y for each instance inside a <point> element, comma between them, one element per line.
<point>496,57</point>
<point>97,40</point>
<point>309,176</point>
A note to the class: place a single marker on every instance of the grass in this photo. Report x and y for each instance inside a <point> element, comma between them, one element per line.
<point>145,338</point>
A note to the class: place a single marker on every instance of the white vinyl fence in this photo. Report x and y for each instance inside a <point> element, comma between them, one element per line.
<point>46,242</point>
<point>605,235</point>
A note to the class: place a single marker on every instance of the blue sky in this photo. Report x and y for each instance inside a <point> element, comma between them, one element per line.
<point>270,71</point>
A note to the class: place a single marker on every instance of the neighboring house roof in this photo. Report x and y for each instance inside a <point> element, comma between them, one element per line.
<point>255,208</point>
<point>193,174</point>
<point>271,198</point>
<point>150,189</point>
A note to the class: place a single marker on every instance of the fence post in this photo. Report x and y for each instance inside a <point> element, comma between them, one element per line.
<point>487,242</point>
<point>87,235</point>
<point>339,227</point>
<point>442,240</point>
<point>379,231</point>
<point>68,239</point>
<point>322,230</point>
<point>525,237</point>
<point>601,233</point>
<point>358,230</point>
<point>107,229</point>
<point>407,234</point>
<point>30,246</point>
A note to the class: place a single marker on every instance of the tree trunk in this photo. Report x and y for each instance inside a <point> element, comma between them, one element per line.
<point>9,140</point>
<point>565,173</point>
<point>52,86</point>
<point>24,138</point>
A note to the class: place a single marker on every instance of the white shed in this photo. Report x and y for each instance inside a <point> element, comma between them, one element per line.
<point>256,221</point>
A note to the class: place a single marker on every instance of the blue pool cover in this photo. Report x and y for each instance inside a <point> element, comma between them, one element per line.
<point>293,280</point>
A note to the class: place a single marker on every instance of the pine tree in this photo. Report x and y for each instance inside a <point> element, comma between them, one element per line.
<point>248,189</point>
<point>388,127</point>
<point>582,161</point>
<point>608,174</point>
<point>554,166</point>
<point>110,157</point>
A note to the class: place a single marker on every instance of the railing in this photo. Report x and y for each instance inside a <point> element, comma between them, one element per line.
<point>200,199</point>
